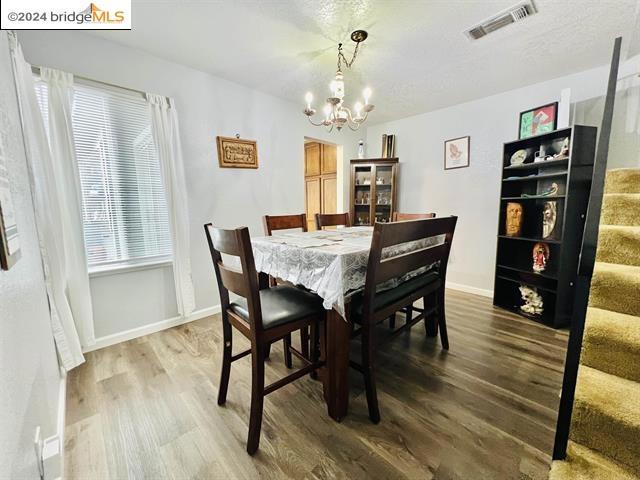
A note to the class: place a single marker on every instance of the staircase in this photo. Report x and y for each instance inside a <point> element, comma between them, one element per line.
<point>605,426</point>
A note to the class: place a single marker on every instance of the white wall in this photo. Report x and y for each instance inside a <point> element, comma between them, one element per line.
<point>207,106</point>
<point>470,193</point>
<point>29,376</point>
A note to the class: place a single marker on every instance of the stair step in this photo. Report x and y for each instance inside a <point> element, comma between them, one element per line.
<point>582,463</point>
<point>620,209</point>
<point>619,244</point>
<point>616,288</point>
<point>623,180</point>
<point>606,416</point>
<point>612,343</point>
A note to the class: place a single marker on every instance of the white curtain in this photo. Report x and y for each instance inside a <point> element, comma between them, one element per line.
<point>57,204</point>
<point>164,124</point>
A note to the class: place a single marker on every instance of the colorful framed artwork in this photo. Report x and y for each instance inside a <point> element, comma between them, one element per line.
<point>237,153</point>
<point>539,120</point>
<point>456,153</point>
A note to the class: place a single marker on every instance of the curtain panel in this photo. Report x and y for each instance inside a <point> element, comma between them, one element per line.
<point>57,207</point>
<point>164,125</point>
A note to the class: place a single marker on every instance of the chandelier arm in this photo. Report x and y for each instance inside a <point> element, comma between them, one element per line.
<point>315,124</point>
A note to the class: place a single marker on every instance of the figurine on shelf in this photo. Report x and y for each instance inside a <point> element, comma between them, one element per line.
<point>549,217</point>
<point>533,303</point>
<point>513,226</point>
<point>540,257</point>
<point>564,150</point>
<point>547,192</point>
<point>539,156</point>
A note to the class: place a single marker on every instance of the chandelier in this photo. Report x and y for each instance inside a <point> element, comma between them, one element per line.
<point>335,113</point>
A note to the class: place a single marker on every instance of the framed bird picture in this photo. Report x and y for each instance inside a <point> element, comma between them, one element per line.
<point>456,153</point>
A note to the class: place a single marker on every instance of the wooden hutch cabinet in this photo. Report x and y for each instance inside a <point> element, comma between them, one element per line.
<point>373,190</point>
<point>320,183</point>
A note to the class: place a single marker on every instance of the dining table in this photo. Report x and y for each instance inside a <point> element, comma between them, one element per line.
<point>333,264</point>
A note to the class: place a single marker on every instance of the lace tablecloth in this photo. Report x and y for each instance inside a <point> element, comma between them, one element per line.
<point>332,263</point>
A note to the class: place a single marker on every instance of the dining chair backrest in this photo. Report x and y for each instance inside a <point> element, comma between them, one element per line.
<point>332,220</point>
<point>403,217</point>
<point>236,243</point>
<point>386,236</point>
<point>284,222</point>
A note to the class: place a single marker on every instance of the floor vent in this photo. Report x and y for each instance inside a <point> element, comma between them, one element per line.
<point>506,17</point>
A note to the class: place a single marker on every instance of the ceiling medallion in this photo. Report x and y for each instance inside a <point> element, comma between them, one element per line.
<point>336,114</point>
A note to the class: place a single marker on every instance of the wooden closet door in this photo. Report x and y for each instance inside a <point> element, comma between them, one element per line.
<point>312,154</point>
<point>329,159</point>
<point>329,194</point>
<point>312,190</point>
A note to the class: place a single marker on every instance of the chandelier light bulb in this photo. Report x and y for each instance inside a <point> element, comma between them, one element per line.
<point>366,93</point>
<point>327,110</point>
<point>358,109</point>
<point>308,98</point>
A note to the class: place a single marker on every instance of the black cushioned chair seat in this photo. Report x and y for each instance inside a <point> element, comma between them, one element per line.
<point>280,305</point>
<point>389,297</point>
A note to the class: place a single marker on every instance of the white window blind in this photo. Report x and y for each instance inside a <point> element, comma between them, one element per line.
<point>123,204</point>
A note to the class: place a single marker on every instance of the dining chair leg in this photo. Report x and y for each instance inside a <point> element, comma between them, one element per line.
<point>369,373</point>
<point>267,351</point>
<point>409,313</point>
<point>431,322</point>
<point>287,353</point>
<point>315,346</point>
<point>442,321</point>
<point>226,360</point>
<point>304,342</point>
<point>392,321</point>
<point>257,399</point>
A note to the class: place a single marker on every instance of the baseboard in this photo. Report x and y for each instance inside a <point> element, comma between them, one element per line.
<point>102,342</point>
<point>469,289</point>
<point>52,453</point>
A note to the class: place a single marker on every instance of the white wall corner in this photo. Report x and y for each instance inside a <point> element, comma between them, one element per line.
<point>120,337</point>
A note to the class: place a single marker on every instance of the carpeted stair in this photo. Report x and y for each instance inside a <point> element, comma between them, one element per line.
<point>605,427</point>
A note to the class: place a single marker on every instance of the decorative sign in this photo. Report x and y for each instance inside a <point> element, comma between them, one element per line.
<point>538,120</point>
<point>237,153</point>
<point>456,153</point>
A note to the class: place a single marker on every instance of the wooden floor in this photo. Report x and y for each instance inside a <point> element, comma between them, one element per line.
<point>484,410</point>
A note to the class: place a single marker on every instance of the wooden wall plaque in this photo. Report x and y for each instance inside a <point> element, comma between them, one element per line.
<point>237,153</point>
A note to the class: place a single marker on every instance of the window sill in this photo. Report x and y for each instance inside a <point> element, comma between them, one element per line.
<point>126,268</point>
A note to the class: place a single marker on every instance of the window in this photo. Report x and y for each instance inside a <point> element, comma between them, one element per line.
<point>123,204</point>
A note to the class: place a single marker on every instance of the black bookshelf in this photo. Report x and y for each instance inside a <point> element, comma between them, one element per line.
<point>514,254</point>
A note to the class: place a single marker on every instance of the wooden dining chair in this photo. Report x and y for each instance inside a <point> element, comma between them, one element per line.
<point>373,307</point>
<point>332,220</point>
<point>271,224</point>
<point>262,315</point>
<point>403,217</point>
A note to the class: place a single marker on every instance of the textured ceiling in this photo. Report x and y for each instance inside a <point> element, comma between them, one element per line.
<point>416,58</point>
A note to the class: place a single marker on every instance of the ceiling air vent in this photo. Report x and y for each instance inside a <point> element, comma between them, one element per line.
<point>506,17</point>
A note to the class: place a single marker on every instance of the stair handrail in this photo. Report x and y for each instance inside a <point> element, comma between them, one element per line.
<point>586,264</point>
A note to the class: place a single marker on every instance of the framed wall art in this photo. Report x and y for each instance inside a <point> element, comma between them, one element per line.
<point>234,152</point>
<point>539,120</point>
<point>456,153</point>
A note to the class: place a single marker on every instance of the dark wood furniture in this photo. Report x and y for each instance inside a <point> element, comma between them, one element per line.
<point>374,306</point>
<point>320,180</point>
<point>403,217</point>
<point>271,224</point>
<point>524,184</point>
<point>373,190</point>
<point>332,220</point>
<point>262,315</point>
